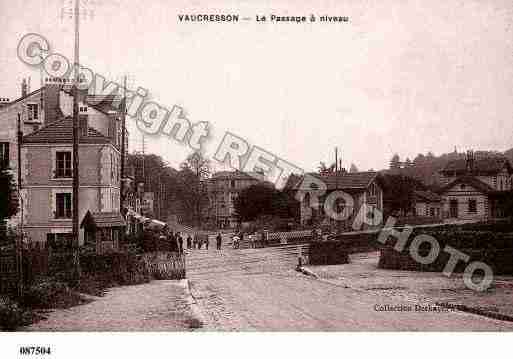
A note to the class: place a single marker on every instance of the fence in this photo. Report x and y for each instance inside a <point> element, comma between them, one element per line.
<point>39,260</point>
<point>165,265</point>
<point>8,269</point>
<point>288,237</point>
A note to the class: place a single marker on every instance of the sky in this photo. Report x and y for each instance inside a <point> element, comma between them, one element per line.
<point>401,76</point>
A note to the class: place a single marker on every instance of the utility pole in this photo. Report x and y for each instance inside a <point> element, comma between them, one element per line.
<point>19,239</point>
<point>76,180</point>
<point>123,149</point>
<point>143,159</point>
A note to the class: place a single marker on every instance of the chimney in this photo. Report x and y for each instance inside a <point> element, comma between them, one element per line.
<point>3,102</point>
<point>24,88</point>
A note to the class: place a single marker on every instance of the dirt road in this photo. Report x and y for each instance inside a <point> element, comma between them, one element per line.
<point>258,289</point>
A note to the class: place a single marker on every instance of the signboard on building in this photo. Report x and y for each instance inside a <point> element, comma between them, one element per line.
<point>148,201</point>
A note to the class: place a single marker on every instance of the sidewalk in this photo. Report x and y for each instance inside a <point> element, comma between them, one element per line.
<point>418,287</point>
<point>161,305</point>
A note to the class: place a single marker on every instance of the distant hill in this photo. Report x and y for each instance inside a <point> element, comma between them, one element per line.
<point>425,168</point>
<point>509,155</point>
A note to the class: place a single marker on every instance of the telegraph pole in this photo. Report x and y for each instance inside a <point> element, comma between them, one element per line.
<point>76,180</point>
<point>123,149</point>
<point>19,239</point>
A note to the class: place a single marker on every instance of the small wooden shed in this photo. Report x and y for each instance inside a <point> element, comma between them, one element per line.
<point>103,230</point>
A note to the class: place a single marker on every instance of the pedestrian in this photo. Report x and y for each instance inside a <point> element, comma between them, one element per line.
<point>235,242</point>
<point>189,241</point>
<point>218,241</point>
<point>251,238</point>
<point>180,242</point>
<point>195,241</point>
<point>206,241</point>
<point>172,242</point>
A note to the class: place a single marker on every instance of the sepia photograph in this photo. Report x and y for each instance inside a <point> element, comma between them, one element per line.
<point>177,170</point>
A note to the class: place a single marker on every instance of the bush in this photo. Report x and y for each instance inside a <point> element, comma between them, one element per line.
<point>328,252</point>
<point>49,293</point>
<point>114,269</point>
<point>11,315</point>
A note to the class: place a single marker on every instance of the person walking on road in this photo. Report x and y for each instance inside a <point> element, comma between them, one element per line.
<point>206,241</point>
<point>235,242</point>
<point>180,242</point>
<point>172,242</point>
<point>189,241</point>
<point>218,241</point>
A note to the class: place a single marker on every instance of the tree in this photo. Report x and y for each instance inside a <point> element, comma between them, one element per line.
<point>158,177</point>
<point>353,168</point>
<point>194,172</point>
<point>395,162</point>
<point>398,192</point>
<point>263,200</point>
<point>9,203</point>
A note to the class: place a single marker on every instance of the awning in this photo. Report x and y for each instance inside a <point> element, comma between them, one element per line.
<point>102,220</point>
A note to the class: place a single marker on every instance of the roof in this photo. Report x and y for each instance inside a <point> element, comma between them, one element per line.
<point>61,131</point>
<point>471,181</point>
<point>237,175</point>
<point>358,181</point>
<point>103,219</point>
<point>427,196</point>
<point>292,182</point>
<point>24,97</point>
<point>492,165</point>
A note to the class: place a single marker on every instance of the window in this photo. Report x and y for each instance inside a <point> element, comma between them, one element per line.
<point>372,190</point>
<point>83,125</point>
<point>63,164</point>
<point>232,183</point>
<point>83,109</point>
<point>32,112</point>
<point>63,205</point>
<point>4,154</point>
<point>111,167</point>
<point>472,206</point>
<point>432,212</point>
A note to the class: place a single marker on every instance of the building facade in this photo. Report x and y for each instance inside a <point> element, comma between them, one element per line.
<point>35,110</point>
<point>47,175</point>
<point>363,188</point>
<point>428,204</point>
<point>476,188</point>
<point>223,188</point>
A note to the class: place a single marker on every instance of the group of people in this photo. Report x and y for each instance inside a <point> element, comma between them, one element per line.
<point>256,240</point>
<point>176,240</point>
